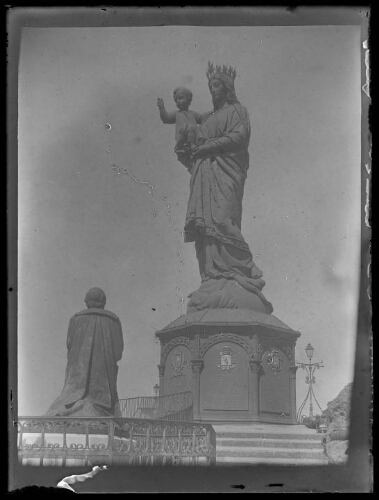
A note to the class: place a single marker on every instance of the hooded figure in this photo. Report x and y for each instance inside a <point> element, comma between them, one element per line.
<point>94,345</point>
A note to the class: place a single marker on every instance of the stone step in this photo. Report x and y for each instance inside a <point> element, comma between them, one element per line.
<point>270,461</point>
<point>268,435</point>
<point>238,451</point>
<point>258,428</point>
<point>268,443</point>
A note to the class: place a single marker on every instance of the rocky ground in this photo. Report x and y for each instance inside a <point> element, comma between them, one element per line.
<point>337,414</point>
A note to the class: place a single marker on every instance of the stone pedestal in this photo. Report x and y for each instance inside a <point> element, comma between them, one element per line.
<point>239,364</point>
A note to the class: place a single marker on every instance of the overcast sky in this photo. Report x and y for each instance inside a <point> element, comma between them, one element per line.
<point>92,147</point>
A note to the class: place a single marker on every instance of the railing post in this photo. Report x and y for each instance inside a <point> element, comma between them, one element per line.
<point>131,449</point>
<point>64,445</point>
<point>87,436</point>
<point>164,444</point>
<point>209,447</point>
<point>194,440</point>
<point>20,433</point>
<point>180,443</point>
<point>255,366</point>
<point>212,447</point>
<point>111,425</point>
<point>43,435</point>
<point>148,438</point>
<point>42,442</point>
<point>197,367</point>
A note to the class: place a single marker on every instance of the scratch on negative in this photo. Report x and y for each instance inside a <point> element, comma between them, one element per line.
<point>179,253</point>
<point>366,86</point>
<point>79,478</point>
<point>178,233</point>
<point>367,205</point>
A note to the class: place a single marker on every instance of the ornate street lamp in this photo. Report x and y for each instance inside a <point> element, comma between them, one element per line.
<point>156,390</point>
<point>309,350</point>
<point>310,380</point>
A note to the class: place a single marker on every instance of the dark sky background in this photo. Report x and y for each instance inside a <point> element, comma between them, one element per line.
<point>102,198</point>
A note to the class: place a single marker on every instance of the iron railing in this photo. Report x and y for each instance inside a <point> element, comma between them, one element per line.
<point>173,407</point>
<point>93,441</point>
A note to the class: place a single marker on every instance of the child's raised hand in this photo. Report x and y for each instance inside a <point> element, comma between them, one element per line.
<point>160,103</point>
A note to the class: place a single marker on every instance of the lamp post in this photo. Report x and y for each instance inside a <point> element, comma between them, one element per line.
<point>310,380</point>
<point>156,390</point>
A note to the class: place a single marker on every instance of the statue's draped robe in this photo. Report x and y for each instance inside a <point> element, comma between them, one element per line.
<point>214,211</point>
<point>95,345</point>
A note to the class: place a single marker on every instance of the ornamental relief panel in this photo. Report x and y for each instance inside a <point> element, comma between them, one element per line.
<point>175,342</point>
<point>179,362</point>
<point>274,360</point>
<point>178,373</point>
<point>271,344</point>
<point>224,337</point>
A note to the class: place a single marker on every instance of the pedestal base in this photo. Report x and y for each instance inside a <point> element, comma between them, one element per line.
<point>239,364</point>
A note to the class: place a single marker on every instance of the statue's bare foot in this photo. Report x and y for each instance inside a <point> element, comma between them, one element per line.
<point>250,284</point>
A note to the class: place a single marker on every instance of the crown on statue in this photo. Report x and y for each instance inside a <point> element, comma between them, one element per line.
<point>218,69</point>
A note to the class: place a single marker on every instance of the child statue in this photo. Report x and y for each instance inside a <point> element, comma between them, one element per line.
<point>186,122</point>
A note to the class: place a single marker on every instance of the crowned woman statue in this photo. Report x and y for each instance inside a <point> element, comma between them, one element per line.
<point>229,277</point>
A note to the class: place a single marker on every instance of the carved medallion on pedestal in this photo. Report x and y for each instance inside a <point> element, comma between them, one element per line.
<point>275,361</point>
<point>226,363</point>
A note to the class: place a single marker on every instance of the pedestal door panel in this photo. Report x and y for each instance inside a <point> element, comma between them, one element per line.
<point>275,387</point>
<point>224,383</point>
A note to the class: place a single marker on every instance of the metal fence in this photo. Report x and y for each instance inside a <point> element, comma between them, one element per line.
<point>172,407</point>
<point>85,441</point>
